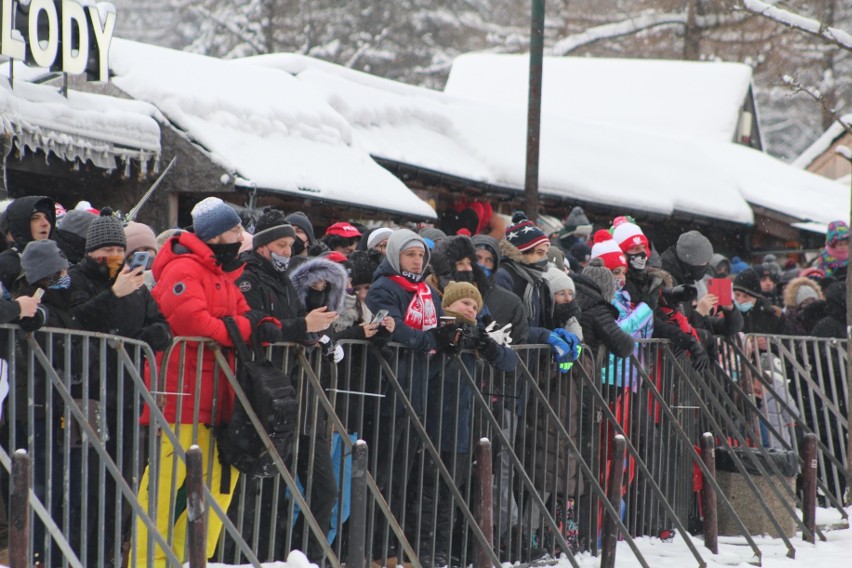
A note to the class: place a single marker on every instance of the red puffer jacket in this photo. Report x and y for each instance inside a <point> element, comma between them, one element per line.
<point>194,293</point>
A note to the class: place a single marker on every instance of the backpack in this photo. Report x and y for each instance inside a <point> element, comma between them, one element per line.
<point>273,399</point>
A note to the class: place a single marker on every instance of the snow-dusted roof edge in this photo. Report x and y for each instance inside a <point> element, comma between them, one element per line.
<point>821,144</point>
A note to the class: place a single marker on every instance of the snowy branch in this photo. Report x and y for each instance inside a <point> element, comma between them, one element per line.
<point>229,27</point>
<point>816,95</point>
<point>810,26</point>
<point>616,29</point>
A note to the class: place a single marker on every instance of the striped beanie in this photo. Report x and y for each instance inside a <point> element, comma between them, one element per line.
<point>606,249</point>
<point>524,234</point>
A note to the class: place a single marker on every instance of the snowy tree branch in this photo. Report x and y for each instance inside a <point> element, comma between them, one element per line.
<point>816,95</point>
<point>836,36</point>
<point>230,28</point>
<point>616,29</point>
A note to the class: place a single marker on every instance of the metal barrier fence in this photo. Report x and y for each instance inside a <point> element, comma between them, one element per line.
<point>77,399</point>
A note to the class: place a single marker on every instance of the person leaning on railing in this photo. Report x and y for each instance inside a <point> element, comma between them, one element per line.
<point>196,274</point>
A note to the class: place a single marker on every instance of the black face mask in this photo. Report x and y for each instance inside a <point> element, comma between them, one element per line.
<point>316,299</point>
<point>695,272</point>
<point>226,255</point>
<point>637,261</point>
<point>463,276</point>
<point>297,247</point>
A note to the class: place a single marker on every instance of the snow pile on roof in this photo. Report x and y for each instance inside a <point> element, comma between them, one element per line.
<point>265,127</point>
<point>823,143</point>
<point>680,98</point>
<point>580,159</point>
<point>84,126</point>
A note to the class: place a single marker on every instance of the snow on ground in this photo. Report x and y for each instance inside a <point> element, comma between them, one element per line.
<point>733,551</point>
<point>262,126</point>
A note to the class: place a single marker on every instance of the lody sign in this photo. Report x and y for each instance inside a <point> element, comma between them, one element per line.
<point>71,36</point>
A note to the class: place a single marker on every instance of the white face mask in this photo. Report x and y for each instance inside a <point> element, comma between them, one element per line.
<point>279,262</point>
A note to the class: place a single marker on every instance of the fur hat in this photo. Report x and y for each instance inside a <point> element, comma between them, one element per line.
<point>608,251</point>
<point>139,236</point>
<point>41,259</point>
<point>378,235</point>
<point>800,289</point>
<point>364,264</point>
<point>211,217</point>
<point>455,291</point>
<point>524,234</point>
<point>316,270</point>
<point>449,251</point>
<point>271,226</point>
<point>299,219</point>
<point>105,231</point>
<point>694,249</point>
<point>628,235</point>
<point>748,282</point>
<point>602,277</point>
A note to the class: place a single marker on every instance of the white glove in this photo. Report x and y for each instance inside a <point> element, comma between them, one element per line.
<point>338,353</point>
<point>500,336</point>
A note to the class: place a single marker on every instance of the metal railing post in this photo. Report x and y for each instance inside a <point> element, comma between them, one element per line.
<point>484,501</point>
<point>358,507</point>
<point>809,486</point>
<point>19,511</point>
<point>708,495</point>
<point>195,508</point>
<point>616,477</point>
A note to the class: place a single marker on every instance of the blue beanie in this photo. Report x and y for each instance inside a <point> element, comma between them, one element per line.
<point>211,217</point>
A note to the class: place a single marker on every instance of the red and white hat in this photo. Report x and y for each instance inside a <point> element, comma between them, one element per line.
<point>606,249</point>
<point>628,235</point>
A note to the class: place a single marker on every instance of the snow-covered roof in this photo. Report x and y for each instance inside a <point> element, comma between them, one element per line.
<point>580,159</point>
<point>84,126</point>
<point>823,143</point>
<point>678,98</point>
<point>268,129</point>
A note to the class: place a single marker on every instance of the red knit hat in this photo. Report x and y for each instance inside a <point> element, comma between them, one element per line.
<point>608,251</point>
<point>628,235</point>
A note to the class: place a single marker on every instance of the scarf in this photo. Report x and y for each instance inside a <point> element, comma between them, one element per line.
<point>420,314</point>
<point>532,276</point>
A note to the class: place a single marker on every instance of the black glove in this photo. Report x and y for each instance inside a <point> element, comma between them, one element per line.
<point>700,358</point>
<point>446,337</point>
<point>487,347</point>
<point>563,312</point>
<point>681,342</point>
<point>36,322</point>
<point>268,332</point>
<point>317,248</point>
<point>158,336</point>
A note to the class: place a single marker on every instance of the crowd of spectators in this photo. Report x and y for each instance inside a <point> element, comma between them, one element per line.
<point>279,281</point>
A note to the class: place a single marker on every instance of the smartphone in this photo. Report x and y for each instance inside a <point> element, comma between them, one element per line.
<point>38,293</point>
<point>379,316</point>
<point>140,258</point>
<point>722,288</point>
<point>447,320</point>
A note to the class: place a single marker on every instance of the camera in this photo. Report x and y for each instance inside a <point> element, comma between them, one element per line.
<point>679,294</point>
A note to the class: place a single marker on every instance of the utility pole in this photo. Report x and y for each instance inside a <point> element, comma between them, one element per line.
<point>534,110</point>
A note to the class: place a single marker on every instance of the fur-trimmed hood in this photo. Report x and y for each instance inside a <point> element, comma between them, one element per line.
<point>316,270</point>
<point>510,252</point>
<point>793,288</point>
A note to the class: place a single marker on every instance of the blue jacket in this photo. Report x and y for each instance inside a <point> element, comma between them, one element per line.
<point>385,294</point>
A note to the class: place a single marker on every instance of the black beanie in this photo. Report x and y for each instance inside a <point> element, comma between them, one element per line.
<point>271,226</point>
<point>748,282</point>
<point>363,264</point>
<point>105,231</point>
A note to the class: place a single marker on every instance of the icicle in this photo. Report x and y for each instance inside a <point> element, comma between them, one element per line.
<point>143,167</point>
<point>76,166</point>
<point>126,174</point>
<point>156,169</point>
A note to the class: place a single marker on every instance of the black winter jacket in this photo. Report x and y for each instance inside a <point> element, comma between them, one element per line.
<point>598,319</point>
<point>136,315</point>
<point>18,216</point>
<point>273,293</point>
